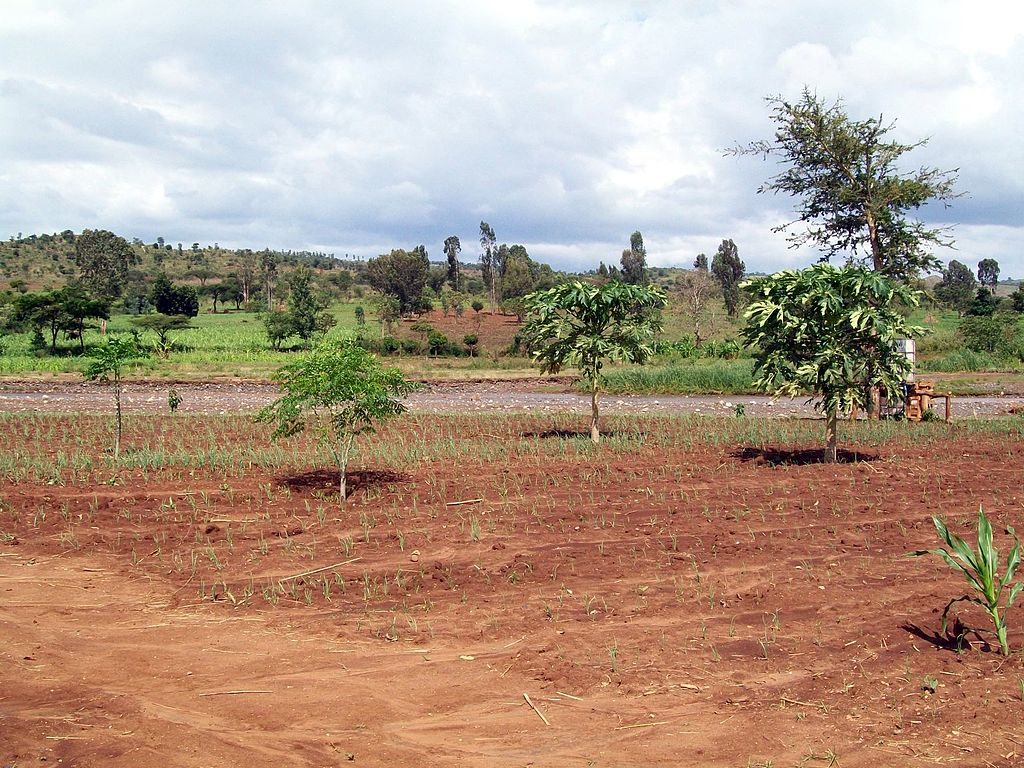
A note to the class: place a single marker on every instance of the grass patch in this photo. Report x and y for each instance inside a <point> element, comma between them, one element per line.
<point>725,377</point>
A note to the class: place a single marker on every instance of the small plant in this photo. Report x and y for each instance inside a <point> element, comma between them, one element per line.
<point>930,684</point>
<point>981,571</point>
<point>173,400</point>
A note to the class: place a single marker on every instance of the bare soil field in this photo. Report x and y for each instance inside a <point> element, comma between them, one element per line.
<point>497,592</point>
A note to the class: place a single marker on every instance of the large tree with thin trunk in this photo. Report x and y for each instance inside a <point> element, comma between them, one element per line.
<point>825,331</point>
<point>489,259</point>
<point>452,249</point>
<point>853,197</point>
<point>581,325</point>
<point>634,261</point>
<point>729,269</point>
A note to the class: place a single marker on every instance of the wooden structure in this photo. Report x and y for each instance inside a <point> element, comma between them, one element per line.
<point>919,400</point>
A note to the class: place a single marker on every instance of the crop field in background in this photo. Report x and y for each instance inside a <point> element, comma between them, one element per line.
<point>497,591</point>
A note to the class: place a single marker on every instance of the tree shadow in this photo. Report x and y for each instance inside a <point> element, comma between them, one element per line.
<point>354,481</point>
<point>775,457</point>
<point>564,434</point>
<point>955,639</point>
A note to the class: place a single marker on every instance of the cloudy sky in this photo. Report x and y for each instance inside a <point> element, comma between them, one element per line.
<point>357,127</point>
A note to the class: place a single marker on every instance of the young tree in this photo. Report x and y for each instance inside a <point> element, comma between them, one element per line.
<point>341,392</point>
<point>108,365</point>
<point>728,269</point>
<point>697,288</point>
<point>957,286</point>
<point>634,261</point>
<point>988,273</point>
<point>828,330</point>
<point>103,259</point>
<point>583,326</point>
<point>269,262</point>
<point>853,197</point>
<point>452,249</point>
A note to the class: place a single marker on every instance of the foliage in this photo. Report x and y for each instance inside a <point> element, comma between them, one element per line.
<point>306,307</point>
<point>1017,298</point>
<point>278,325</point>
<point>170,299</point>
<point>998,332</point>
<point>957,286</point>
<point>981,569</point>
<point>984,303</point>
<point>341,391</point>
<point>581,325</point>
<point>489,260</point>
<point>399,274</point>
<point>852,196</point>
<point>829,331</point>
<point>452,248</point>
<point>103,260</point>
<point>108,364</point>
<point>64,310</point>
<point>988,273</point>
<point>162,325</point>
<point>728,269</point>
<point>634,261</point>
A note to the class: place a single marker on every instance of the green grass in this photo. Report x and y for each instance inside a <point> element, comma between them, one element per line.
<point>697,376</point>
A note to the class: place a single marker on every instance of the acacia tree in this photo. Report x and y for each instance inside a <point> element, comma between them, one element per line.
<point>853,197</point>
<point>108,364</point>
<point>340,391</point>
<point>581,325</point>
<point>827,330</point>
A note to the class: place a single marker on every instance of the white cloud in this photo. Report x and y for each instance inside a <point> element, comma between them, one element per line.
<point>359,127</point>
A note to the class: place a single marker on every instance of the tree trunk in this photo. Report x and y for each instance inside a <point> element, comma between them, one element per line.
<point>595,432</point>
<point>831,419</point>
<point>874,404</point>
<point>117,404</point>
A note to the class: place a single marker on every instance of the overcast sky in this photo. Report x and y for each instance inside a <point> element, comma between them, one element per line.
<point>357,127</point>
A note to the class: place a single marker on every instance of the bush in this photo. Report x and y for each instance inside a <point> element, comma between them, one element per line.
<point>993,333</point>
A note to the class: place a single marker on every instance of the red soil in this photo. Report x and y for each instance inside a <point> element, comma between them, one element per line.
<point>673,606</point>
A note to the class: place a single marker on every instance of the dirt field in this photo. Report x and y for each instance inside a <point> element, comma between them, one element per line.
<point>670,599</point>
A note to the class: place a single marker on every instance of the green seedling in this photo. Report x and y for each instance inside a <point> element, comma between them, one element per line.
<point>980,568</point>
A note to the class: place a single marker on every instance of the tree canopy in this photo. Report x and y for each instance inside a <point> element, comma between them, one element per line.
<point>341,391</point>
<point>728,269</point>
<point>957,286</point>
<point>401,274</point>
<point>853,198</point>
<point>103,260</point>
<point>581,325</point>
<point>831,332</point>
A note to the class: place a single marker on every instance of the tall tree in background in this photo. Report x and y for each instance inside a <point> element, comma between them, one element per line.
<point>634,261</point>
<point>488,258</point>
<point>853,198</point>
<point>957,287</point>
<point>268,265</point>
<point>452,249</point>
<point>988,273</point>
<point>246,272</point>
<point>701,262</point>
<point>728,269</point>
<point>103,259</point>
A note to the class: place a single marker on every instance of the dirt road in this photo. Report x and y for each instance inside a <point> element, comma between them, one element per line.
<point>459,397</point>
